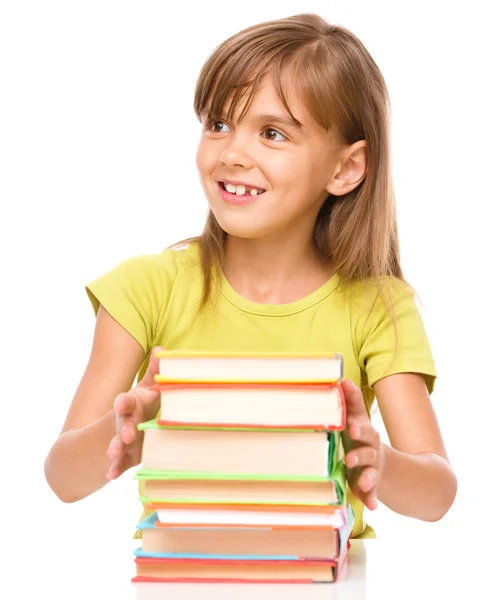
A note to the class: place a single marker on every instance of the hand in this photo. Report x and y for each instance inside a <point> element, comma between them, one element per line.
<point>363,448</point>
<point>140,404</point>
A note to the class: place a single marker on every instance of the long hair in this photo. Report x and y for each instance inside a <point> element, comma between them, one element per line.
<point>341,86</point>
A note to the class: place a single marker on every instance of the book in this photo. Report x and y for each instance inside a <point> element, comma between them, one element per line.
<point>242,476</point>
<point>255,452</point>
<point>239,543</point>
<point>228,488</point>
<point>249,554</point>
<point>261,517</point>
<point>159,541</point>
<point>234,571</point>
<point>186,366</point>
<point>295,406</point>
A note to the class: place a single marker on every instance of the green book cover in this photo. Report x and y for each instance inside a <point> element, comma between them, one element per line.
<point>334,436</point>
<point>338,475</point>
<point>154,425</point>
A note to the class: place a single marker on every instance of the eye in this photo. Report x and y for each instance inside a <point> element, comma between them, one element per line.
<point>216,126</point>
<point>274,131</point>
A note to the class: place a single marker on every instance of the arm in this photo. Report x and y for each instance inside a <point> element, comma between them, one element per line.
<point>77,463</point>
<point>417,479</point>
<point>413,477</point>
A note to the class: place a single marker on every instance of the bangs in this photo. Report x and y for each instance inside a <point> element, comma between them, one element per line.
<point>238,77</point>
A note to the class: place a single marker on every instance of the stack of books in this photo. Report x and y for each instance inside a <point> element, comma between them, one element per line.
<point>243,472</point>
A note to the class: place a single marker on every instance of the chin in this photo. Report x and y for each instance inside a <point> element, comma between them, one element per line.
<point>241,228</point>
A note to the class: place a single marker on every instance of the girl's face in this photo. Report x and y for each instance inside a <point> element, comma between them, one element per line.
<point>266,151</point>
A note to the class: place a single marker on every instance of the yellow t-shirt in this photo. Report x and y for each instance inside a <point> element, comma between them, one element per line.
<point>155,298</point>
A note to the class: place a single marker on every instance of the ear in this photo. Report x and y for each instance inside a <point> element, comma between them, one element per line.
<point>350,169</point>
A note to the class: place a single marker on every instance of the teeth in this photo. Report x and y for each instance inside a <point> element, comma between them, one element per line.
<point>239,190</point>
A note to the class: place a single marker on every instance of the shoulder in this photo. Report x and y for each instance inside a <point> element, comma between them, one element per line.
<point>384,304</point>
<point>370,297</point>
<point>389,332</point>
<point>157,267</point>
<point>185,254</point>
<point>144,278</point>
<point>136,292</point>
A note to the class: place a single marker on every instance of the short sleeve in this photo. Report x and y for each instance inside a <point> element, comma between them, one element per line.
<point>136,293</point>
<point>384,350</point>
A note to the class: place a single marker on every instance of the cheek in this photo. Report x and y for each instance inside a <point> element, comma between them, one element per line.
<point>203,158</point>
<point>199,157</point>
<point>292,171</point>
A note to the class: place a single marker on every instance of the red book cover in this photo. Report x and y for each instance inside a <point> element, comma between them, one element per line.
<point>334,426</point>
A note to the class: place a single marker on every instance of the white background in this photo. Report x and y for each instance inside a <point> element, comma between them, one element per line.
<point>97,163</point>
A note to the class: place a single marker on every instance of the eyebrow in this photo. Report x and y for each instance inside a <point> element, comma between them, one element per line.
<point>279,119</point>
<point>273,118</point>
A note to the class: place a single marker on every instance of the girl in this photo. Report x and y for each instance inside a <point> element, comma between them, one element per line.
<point>299,253</point>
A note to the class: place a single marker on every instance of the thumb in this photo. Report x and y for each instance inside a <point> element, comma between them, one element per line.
<point>148,380</point>
<point>143,396</point>
<point>355,406</point>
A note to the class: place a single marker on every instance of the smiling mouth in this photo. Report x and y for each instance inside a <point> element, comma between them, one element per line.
<point>240,190</point>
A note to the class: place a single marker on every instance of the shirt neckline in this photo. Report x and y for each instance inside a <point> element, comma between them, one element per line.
<point>290,308</point>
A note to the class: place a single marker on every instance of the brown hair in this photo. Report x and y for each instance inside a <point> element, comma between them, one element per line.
<point>341,87</point>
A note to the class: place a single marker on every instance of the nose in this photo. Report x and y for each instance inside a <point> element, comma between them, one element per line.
<point>236,153</point>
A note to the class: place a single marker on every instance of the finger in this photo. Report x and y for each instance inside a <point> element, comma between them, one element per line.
<point>118,467</point>
<point>130,404</point>
<point>367,480</point>
<point>127,430</point>
<point>371,503</point>
<point>361,457</point>
<point>125,404</point>
<point>365,433</point>
<point>368,499</point>
<point>367,488</point>
<point>355,406</point>
<point>115,449</point>
<point>114,471</point>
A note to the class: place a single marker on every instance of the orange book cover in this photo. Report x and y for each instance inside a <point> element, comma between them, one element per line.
<point>234,571</point>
